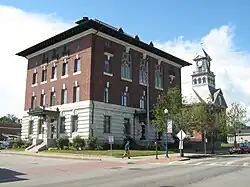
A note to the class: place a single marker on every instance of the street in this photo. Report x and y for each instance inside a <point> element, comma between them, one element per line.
<point>24,171</point>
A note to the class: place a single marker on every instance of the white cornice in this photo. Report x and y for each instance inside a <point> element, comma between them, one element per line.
<point>113,39</point>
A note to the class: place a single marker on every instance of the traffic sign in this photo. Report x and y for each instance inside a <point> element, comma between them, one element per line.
<point>181,135</point>
<point>169,126</point>
<point>111,139</point>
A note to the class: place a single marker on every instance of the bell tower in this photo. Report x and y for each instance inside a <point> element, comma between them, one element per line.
<point>203,76</point>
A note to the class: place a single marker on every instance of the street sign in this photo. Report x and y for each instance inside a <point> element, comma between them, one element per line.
<point>181,135</point>
<point>111,139</point>
<point>169,126</point>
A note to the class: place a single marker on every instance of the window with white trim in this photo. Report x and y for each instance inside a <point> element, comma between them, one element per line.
<point>31,124</point>
<point>76,94</point>
<point>77,65</point>
<point>106,95</point>
<point>33,102</point>
<point>54,72</point>
<point>53,98</point>
<point>143,72</point>
<point>34,78</point>
<point>127,126</point>
<point>43,100</point>
<point>64,96</point>
<point>107,64</point>
<point>158,76</point>
<point>44,75</point>
<point>126,66</point>
<point>65,68</point>
<point>142,102</point>
<point>124,99</point>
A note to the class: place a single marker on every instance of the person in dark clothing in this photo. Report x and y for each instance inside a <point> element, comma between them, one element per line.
<point>126,150</point>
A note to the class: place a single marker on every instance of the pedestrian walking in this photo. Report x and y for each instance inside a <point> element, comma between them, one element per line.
<point>126,150</point>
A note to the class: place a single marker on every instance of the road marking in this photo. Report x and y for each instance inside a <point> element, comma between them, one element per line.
<point>246,164</point>
<point>174,162</point>
<point>199,163</point>
<point>229,163</point>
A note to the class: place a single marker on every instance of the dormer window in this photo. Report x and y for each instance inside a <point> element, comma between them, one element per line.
<point>199,80</point>
<point>204,79</point>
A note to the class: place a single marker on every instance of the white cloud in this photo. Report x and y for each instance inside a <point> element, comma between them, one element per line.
<point>230,65</point>
<point>20,30</point>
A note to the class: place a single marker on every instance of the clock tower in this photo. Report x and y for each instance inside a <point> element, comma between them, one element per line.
<point>203,76</point>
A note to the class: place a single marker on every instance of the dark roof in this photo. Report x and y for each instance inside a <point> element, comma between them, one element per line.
<point>97,25</point>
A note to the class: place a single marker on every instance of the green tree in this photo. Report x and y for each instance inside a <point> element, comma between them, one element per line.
<point>236,118</point>
<point>172,100</point>
<point>9,118</point>
<point>209,119</point>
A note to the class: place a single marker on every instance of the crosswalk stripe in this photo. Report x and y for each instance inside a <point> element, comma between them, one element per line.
<point>199,163</point>
<point>246,164</point>
<point>174,162</point>
<point>229,163</point>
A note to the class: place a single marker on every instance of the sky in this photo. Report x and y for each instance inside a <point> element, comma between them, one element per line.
<point>177,27</point>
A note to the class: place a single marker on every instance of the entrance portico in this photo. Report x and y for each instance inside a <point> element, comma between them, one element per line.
<point>46,126</point>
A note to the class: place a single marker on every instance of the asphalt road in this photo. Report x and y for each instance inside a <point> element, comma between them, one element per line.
<point>228,171</point>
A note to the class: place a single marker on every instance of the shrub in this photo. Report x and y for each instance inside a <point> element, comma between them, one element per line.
<point>98,148</point>
<point>78,143</point>
<point>62,142</point>
<point>92,143</point>
<point>27,143</point>
<point>52,149</point>
<point>18,143</point>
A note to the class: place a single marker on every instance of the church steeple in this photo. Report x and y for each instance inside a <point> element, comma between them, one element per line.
<point>203,74</point>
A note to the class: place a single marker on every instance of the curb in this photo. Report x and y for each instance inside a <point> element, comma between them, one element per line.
<point>50,156</point>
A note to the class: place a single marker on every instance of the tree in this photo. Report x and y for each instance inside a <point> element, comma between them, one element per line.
<point>209,119</point>
<point>9,118</point>
<point>173,101</point>
<point>236,118</point>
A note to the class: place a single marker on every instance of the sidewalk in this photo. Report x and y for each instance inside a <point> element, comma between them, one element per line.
<point>133,160</point>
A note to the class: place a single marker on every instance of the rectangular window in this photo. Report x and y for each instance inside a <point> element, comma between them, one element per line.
<point>30,130</point>
<point>126,66</point>
<point>127,128</point>
<point>64,96</point>
<point>76,94</point>
<point>74,123</point>
<point>106,124</point>
<point>65,69</point>
<point>54,72</point>
<point>107,64</point>
<point>34,78</point>
<point>62,124</point>
<point>124,99</point>
<point>43,100</point>
<point>33,102</point>
<point>77,65</point>
<point>106,95</point>
<point>143,72</point>
<point>142,102</point>
<point>39,128</point>
<point>52,98</point>
<point>159,77</point>
<point>44,75</point>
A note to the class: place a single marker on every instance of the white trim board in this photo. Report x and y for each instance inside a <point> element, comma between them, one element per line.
<point>103,35</point>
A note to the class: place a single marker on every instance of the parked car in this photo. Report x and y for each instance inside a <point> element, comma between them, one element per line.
<point>240,148</point>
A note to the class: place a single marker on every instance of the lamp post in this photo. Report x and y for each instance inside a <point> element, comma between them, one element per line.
<point>166,119</point>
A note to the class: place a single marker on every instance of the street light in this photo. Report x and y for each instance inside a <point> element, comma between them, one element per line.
<point>166,118</point>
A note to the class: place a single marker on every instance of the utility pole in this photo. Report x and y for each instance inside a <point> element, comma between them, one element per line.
<point>205,142</point>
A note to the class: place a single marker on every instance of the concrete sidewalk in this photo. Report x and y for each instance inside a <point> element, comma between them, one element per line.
<point>133,160</point>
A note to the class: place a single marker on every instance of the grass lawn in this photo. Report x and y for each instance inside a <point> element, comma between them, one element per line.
<point>226,145</point>
<point>115,153</point>
<point>17,149</point>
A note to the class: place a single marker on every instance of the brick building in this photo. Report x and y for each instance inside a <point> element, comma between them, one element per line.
<point>91,81</point>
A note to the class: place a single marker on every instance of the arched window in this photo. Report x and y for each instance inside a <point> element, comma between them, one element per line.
<point>195,81</point>
<point>199,80</point>
<point>204,79</point>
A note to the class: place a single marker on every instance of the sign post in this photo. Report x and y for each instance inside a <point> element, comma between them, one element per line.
<point>111,142</point>
<point>181,135</point>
